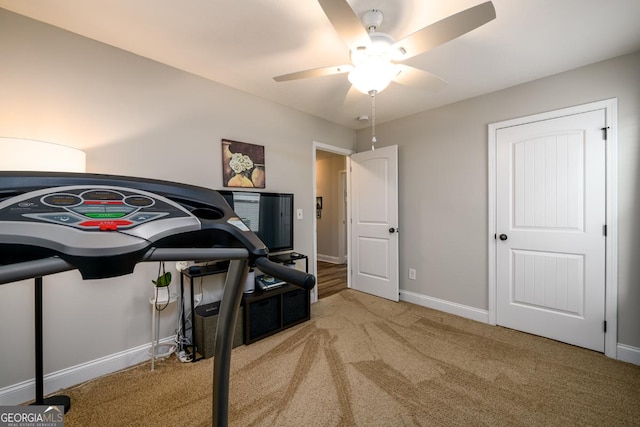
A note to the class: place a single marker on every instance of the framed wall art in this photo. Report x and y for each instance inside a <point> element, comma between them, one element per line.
<point>318,207</point>
<point>242,164</point>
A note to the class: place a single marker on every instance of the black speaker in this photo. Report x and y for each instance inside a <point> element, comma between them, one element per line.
<point>206,323</point>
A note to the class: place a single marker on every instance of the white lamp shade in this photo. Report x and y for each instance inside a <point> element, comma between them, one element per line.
<point>27,155</point>
<point>372,75</point>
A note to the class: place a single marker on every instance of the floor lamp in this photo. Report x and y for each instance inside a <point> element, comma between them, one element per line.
<point>30,155</point>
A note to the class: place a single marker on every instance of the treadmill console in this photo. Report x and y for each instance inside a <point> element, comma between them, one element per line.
<point>103,225</point>
<point>92,221</point>
<point>92,209</point>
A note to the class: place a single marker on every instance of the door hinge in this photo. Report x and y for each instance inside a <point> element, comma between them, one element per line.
<point>605,132</point>
<point>604,325</point>
<point>604,230</point>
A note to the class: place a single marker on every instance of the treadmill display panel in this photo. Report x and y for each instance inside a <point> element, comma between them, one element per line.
<point>94,209</point>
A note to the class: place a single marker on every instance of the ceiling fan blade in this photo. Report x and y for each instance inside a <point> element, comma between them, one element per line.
<point>353,97</point>
<point>445,30</point>
<point>346,22</point>
<point>316,72</point>
<point>410,76</point>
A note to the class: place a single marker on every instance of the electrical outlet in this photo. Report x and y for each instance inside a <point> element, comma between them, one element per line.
<point>412,274</point>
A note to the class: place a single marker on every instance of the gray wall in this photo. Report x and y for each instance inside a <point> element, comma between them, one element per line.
<point>137,117</point>
<point>443,168</point>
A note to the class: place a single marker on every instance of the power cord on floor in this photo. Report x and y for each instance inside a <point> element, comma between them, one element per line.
<point>183,356</point>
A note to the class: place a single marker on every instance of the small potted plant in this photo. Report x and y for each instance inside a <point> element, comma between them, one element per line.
<point>162,281</point>
<point>160,302</point>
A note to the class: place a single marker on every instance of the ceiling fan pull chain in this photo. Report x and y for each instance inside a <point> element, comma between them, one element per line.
<point>373,119</point>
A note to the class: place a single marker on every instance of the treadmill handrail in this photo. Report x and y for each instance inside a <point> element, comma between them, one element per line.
<point>42,267</point>
<point>195,254</point>
<point>30,269</point>
<point>297,278</point>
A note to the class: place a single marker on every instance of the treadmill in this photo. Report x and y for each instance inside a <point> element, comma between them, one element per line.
<point>103,225</point>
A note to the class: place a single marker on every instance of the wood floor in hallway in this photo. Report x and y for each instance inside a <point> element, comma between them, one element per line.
<point>332,278</point>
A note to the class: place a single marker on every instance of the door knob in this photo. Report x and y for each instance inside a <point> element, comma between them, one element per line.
<point>392,230</point>
<point>503,237</point>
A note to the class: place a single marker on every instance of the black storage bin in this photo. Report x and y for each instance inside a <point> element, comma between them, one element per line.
<point>295,307</point>
<point>268,312</point>
<point>265,316</point>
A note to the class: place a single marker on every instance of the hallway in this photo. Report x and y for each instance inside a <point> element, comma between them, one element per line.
<point>332,278</point>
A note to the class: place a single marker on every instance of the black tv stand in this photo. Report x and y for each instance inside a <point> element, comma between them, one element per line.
<point>290,257</point>
<point>265,312</point>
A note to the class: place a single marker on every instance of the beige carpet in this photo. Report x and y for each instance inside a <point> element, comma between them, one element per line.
<point>369,362</point>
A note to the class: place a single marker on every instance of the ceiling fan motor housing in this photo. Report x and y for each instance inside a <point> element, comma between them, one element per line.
<point>379,48</point>
<point>372,19</point>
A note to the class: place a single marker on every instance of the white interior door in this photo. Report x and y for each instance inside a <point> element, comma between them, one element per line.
<point>550,218</point>
<point>374,228</point>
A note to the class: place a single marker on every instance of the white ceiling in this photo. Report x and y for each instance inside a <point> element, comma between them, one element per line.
<point>244,44</point>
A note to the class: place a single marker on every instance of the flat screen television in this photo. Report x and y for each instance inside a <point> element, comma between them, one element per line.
<point>269,215</point>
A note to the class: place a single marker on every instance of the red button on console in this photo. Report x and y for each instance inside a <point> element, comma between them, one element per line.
<point>106,225</point>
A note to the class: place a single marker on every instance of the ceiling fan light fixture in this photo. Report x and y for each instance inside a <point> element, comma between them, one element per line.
<point>372,75</point>
<point>397,54</point>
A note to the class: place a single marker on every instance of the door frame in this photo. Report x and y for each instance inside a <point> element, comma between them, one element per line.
<point>347,153</point>
<point>343,213</point>
<point>611,246</point>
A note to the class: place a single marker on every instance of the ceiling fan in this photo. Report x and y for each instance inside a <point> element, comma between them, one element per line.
<point>377,59</point>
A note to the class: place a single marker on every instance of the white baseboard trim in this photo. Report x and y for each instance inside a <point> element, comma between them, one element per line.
<point>329,258</point>
<point>626,353</point>
<point>25,391</point>
<point>446,306</point>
